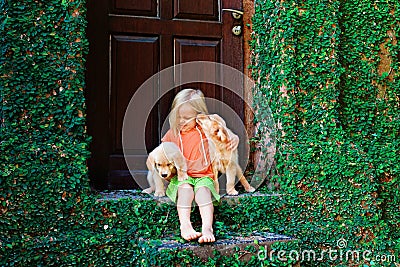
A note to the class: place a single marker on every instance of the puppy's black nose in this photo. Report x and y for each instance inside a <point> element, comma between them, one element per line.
<point>164,175</point>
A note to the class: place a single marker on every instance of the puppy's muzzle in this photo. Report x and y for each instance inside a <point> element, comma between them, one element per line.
<point>164,175</point>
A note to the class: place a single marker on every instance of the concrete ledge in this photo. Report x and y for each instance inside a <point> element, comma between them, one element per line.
<point>228,247</point>
<point>137,194</point>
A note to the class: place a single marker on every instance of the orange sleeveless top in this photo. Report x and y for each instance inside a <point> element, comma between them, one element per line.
<point>195,150</point>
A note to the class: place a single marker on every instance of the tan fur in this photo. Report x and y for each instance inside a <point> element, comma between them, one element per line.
<point>163,163</point>
<point>225,161</point>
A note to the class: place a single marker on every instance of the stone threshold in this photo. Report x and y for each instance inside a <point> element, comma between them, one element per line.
<point>137,194</point>
<point>229,246</point>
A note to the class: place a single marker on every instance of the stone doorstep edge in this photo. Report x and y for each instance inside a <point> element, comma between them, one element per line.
<point>113,196</point>
<point>226,246</point>
<point>266,238</point>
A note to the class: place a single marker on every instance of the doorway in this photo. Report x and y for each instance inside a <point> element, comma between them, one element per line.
<point>130,41</point>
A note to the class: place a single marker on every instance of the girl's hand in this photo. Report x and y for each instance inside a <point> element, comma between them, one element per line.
<point>233,143</point>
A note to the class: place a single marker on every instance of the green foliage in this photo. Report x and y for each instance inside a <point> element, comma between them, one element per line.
<point>329,72</point>
<point>44,143</point>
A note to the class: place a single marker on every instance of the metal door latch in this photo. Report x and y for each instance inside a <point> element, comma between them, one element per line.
<point>237,30</point>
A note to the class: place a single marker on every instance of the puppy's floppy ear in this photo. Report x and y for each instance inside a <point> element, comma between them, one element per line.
<point>180,166</point>
<point>150,163</point>
<point>218,119</point>
<point>178,160</point>
<point>223,134</point>
<point>201,117</point>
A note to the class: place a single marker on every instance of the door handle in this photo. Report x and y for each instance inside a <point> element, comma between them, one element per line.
<point>236,14</point>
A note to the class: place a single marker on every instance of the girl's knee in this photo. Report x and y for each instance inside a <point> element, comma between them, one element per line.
<point>186,186</point>
<point>203,196</point>
<point>185,190</point>
<point>203,191</point>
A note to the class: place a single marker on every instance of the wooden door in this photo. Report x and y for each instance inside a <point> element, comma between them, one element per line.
<point>130,40</point>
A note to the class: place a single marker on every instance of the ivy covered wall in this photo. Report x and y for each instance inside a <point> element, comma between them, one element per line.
<point>44,143</point>
<point>329,71</point>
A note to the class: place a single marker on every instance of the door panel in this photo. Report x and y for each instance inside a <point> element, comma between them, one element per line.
<point>199,10</point>
<point>193,50</point>
<point>142,7</point>
<point>129,42</point>
<point>187,50</point>
<point>134,60</point>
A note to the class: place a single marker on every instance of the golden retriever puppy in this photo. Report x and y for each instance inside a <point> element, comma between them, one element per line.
<point>163,163</point>
<point>225,161</point>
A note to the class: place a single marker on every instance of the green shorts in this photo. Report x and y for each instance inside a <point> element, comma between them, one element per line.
<point>172,189</point>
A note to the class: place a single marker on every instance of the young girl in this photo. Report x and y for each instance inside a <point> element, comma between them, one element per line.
<point>193,144</point>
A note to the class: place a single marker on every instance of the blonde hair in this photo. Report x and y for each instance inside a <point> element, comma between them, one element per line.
<point>189,96</point>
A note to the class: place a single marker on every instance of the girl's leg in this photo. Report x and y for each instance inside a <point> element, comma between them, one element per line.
<point>184,205</point>
<point>206,207</point>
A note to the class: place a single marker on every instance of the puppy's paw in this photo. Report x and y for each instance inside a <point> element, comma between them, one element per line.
<point>159,194</point>
<point>250,189</point>
<point>232,192</point>
<point>148,190</point>
<point>183,177</point>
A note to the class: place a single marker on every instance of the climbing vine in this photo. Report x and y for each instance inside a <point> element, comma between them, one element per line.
<point>328,70</point>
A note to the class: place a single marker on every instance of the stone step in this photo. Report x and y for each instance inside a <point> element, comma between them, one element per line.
<point>229,246</point>
<point>137,194</point>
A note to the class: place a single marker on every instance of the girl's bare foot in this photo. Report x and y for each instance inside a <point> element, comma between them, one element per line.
<point>207,235</point>
<point>188,233</point>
